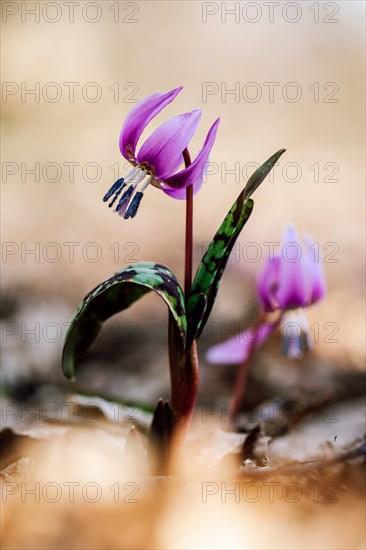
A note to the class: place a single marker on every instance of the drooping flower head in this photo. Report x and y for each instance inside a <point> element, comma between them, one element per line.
<point>159,158</point>
<point>290,281</point>
<point>293,280</point>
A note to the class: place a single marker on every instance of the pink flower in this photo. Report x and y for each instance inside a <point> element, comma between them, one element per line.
<point>159,158</point>
<point>289,282</point>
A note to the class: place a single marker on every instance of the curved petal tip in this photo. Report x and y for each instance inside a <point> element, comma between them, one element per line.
<point>139,117</point>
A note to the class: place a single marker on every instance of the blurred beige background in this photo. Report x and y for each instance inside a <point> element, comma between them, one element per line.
<point>117,52</point>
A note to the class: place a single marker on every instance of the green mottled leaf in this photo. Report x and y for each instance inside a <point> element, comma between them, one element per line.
<point>212,266</point>
<point>209,273</point>
<point>114,295</point>
<point>260,174</point>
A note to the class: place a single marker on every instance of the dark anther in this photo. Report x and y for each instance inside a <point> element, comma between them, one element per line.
<point>113,189</point>
<point>135,203</point>
<point>125,197</point>
<point>116,195</point>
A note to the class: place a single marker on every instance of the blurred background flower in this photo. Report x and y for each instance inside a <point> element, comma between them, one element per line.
<point>287,283</point>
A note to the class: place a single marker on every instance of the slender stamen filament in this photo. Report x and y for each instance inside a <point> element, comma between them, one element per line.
<point>139,178</point>
<point>132,174</point>
<point>145,184</point>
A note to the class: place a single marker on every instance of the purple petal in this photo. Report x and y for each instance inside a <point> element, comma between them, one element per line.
<point>318,284</point>
<point>140,116</point>
<point>293,278</point>
<point>163,149</point>
<point>267,284</point>
<point>193,174</point>
<point>181,194</point>
<point>236,350</point>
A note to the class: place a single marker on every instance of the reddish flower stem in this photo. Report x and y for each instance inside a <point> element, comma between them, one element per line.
<point>189,232</point>
<point>242,376</point>
<point>184,362</point>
